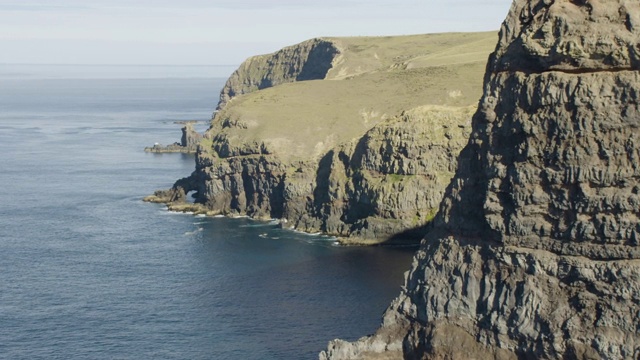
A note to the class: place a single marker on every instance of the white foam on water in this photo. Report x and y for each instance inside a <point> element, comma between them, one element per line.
<point>190,233</point>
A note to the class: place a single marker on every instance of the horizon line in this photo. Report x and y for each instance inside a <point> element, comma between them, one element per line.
<point>81,64</point>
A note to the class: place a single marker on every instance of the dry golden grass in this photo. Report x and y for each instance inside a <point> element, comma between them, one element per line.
<point>367,54</point>
<point>374,79</point>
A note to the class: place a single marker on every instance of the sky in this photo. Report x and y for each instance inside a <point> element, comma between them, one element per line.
<point>214,32</point>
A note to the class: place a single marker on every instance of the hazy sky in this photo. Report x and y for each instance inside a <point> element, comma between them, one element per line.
<point>212,31</point>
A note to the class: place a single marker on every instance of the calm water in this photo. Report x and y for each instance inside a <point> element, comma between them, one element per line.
<point>89,271</point>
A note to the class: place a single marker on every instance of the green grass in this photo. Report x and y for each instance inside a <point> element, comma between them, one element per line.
<point>206,143</point>
<point>430,215</point>
<point>419,220</point>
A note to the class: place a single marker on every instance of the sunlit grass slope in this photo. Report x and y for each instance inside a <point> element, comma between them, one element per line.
<point>372,79</point>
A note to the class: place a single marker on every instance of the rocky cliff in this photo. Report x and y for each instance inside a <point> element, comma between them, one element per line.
<point>364,154</point>
<point>310,60</point>
<point>534,252</point>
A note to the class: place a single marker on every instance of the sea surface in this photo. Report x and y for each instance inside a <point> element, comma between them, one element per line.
<point>89,271</point>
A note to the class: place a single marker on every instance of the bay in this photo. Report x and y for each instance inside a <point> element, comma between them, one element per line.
<point>89,271</point>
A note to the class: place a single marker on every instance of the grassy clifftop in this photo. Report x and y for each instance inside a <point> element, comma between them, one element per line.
<point>360,55</point>
<point>370,80</point>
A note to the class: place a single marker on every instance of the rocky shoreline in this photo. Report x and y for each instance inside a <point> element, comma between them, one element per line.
<point>196,209</point>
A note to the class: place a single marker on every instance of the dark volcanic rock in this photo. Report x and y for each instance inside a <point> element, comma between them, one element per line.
<point>534,252</point>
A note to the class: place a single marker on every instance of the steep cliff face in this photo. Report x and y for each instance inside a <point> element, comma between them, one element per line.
<point>534,252</point>
<point>385,186</point>
<point>190,137</point>
<point>310,60</point>
<point>364,155</point>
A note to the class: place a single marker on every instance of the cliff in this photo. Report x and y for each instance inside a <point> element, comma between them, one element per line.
<point>309,60</point>
<point>352,137</point>
<point>534,252</point>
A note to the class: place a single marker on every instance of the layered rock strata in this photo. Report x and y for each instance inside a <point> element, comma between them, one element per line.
<point>382,187</point>
<point>360,155</point>
<point>534,252</point>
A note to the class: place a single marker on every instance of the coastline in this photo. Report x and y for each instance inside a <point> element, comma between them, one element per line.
<point>199,210</point>
<point>272,150</point>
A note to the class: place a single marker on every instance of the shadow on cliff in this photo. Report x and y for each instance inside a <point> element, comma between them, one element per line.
<point>344,204</point>
<point>319,62</point>
<point>409,237</point>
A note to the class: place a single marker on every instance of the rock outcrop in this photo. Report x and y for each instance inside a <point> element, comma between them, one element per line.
<point>534,252</point>
<point>387,184</point>
<point>309,60</point>
<point>188,142</point>
<point>364,155</point>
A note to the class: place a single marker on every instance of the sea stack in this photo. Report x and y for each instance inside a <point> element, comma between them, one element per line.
<point>534,252</point>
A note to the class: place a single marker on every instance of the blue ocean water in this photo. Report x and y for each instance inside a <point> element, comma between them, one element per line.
<point>89,271</point>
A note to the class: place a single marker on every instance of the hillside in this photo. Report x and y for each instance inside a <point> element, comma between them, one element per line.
<point>354,137</point>
<point>379,78</point>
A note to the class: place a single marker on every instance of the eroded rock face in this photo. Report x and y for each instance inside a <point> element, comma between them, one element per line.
<point>310,60</point>
<point>534,252</point>
<point>383,187</point>
<point>190,137</point>
<point>364,154</point>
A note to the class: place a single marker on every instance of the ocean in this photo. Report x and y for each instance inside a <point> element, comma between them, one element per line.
<point>89,271</point>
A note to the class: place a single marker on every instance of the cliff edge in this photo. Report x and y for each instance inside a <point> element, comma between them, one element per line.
<point>309,60</point>
<point>352,137</point>
<point>535,252</point>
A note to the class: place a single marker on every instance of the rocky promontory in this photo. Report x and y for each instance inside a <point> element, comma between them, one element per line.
<point>534,253</point>
<point>188,142</point>
<point>352,137</point>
